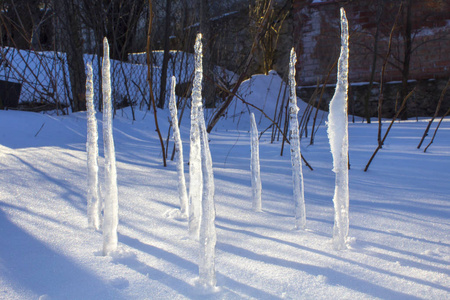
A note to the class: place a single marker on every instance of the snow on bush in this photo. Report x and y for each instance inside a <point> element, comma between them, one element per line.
<point>270,86</point>
<point>338,136</point>
<point>267,92</point>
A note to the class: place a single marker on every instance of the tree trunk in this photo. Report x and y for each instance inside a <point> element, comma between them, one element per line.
<point>165,63</point>
<point>374,61</point>
<point>209,85</point>
<point>407,58</point>
<point>72,44</point>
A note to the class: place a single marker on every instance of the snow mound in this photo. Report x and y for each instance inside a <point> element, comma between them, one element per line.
<point>260,92</point>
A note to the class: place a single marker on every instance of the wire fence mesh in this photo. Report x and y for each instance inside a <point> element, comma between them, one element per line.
<point>41,80</point>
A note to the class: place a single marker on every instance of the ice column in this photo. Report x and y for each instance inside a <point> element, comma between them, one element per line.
<point>208,237</point>
<point>338,136</point>
<point>254,165</point>
<point>111,211</point>
<point>179,151</point>
<point>93,193</point>
<point>195,164</point>
<point>296,156</point>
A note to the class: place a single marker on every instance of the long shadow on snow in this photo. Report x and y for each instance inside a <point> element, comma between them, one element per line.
<point>399,234</point>
<point>175,283</point>
<point>319,252</point>
<point>39,131</point>
<point>46,218</point>
<point>60,183</point>
<point>395,234</point>
<point>154,274</point>
<point>246,289</point>
<point>334,277</point>
<point>28,263</point>
<point>243,224</point>
<point>404,261</point>
<point>419,210</point>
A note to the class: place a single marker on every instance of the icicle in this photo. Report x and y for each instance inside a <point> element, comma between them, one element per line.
<point>254,165</point>
<point>93,193</point>
<point>179,151</point>
<point>338,136</point>
<point>111,211</point>
<point>208,237</point>
<point>195,164</point>
<point>296,158</point>
<point>202,213</point>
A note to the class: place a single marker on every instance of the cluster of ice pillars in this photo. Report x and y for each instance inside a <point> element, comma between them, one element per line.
<point>200,206</point>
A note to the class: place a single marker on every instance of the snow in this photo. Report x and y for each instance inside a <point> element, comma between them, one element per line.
<point>399,223</point>
<point>254,165</point>
<point>296,160</point>
<point>262,91</point>
<point>111,211</point>
<point>338,136</point>
<point>182,192</point>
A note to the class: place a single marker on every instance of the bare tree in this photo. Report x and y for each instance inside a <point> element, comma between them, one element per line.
<point>27,25</point>
<point>69,35</point>
<point>259,35</point>
<point>149,79</point>
<point>24,20</point>
<point>117,20</point>
<point>267,45</point>
<point>209,89</point>
<point>165,63</point>
<point>438,108</point>
<point>379,13</point>
<point>408,40</point>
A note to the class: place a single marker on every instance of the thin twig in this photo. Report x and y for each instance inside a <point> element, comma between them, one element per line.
<point>259,36</point>
<point>320,100</point>
<point>435,131</point>
<point>380,145</point>
<point>39,129</point>
<point>265,115</point>
<point>152,98</point>
<point>247,103</point>
<point>438,107</point>
<point>303,126</point>
<point>383,69</point>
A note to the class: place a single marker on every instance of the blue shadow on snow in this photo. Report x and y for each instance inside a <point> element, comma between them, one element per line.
<point>29,264</point>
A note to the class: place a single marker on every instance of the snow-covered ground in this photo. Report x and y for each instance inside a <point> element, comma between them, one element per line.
<point>399,215</point>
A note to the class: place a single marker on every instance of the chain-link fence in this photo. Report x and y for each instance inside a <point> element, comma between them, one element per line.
<point>31,80</point>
